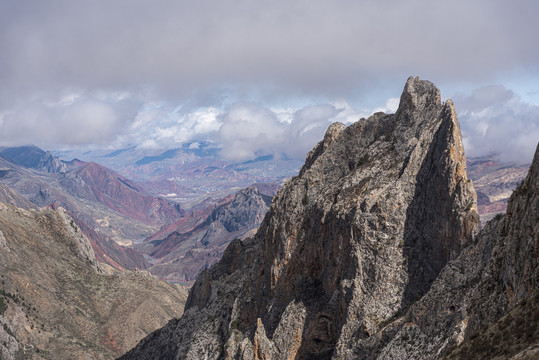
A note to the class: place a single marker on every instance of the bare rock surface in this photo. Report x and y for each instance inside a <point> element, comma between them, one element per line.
<point>374,243</point>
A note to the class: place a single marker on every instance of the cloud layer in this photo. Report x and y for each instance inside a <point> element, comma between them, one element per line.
<point>253,76</point>
<point>311,46</point>
<point>496,121</point>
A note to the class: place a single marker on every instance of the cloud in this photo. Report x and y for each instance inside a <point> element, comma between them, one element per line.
<point>249,131</point>
<point>284,47</point>
<point>496,121</point>
<point>69,120</point>
<point>169,71</point>
<point>163,127</point>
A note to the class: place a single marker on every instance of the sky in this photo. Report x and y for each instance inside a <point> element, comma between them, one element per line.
<point>260,77</point>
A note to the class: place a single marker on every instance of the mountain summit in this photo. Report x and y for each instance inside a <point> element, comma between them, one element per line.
<point>347,250</point>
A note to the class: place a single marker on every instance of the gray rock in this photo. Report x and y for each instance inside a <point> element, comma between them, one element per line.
<point>351,258</point>
<point>51,164</point>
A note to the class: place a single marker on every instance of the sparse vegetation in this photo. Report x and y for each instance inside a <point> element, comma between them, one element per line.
<point>363,160</point>
<point>508,336</point>
<point>521,189</point>
<point>3,306</point>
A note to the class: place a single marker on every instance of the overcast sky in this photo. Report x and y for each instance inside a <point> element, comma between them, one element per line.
<point>260,77</point>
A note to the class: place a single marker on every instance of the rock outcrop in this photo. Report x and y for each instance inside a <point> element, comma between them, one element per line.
<point>362,251</point>
<point>32,157</point>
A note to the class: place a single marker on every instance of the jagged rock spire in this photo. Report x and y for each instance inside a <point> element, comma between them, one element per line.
<point>361,233</point>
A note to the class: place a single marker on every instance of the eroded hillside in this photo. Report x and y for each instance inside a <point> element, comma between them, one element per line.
<point>58,302</point>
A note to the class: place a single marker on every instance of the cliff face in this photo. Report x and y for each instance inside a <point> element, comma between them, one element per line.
<point>486,281</point>
<point>348,250</point>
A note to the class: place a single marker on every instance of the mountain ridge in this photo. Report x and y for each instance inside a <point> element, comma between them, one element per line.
<point>181,250</point>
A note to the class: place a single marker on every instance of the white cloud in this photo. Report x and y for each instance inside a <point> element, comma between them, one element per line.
<point>249,131</point>
<point>133,62</point>
<point>496,121</point>
<point>72,119</point>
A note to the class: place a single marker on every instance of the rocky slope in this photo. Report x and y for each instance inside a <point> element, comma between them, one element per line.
<point>351,260</point>
<point>193,243</point>
<point>10,196</point>
<point>58,302</point>
<point>489,278</point>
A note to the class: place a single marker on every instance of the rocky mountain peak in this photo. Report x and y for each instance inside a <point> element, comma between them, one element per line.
<point>418,94</point>
<point>51,164</point>
<point>376,212</point>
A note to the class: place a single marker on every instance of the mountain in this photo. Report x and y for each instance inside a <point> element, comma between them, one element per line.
<point>372,252</point>
<point>493,291</point>
<point>109,188</point>
<point>110,209</point>
<point>190,173</point>
<point>494,182</point>
<point>58,302</point>
<point>33,157</point>
<point>181,250</point>
<point>9,196</point>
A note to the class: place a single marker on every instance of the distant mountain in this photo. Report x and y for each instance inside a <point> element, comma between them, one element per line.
<point>169,154</point>
<point>190,173</point>
<point>494,182</point>
<point>109,208</point>
<point>33,157</point>
<point>118,152</point>
<point>181,250</point>
<point>58,302</point>
<point>107,187</point>
<point>28,156</point>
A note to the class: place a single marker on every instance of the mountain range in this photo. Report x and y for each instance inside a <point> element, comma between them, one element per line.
<point>350,253</point>
<point>190,173</point>
<point>110,209</point>
<point>181,250</point>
